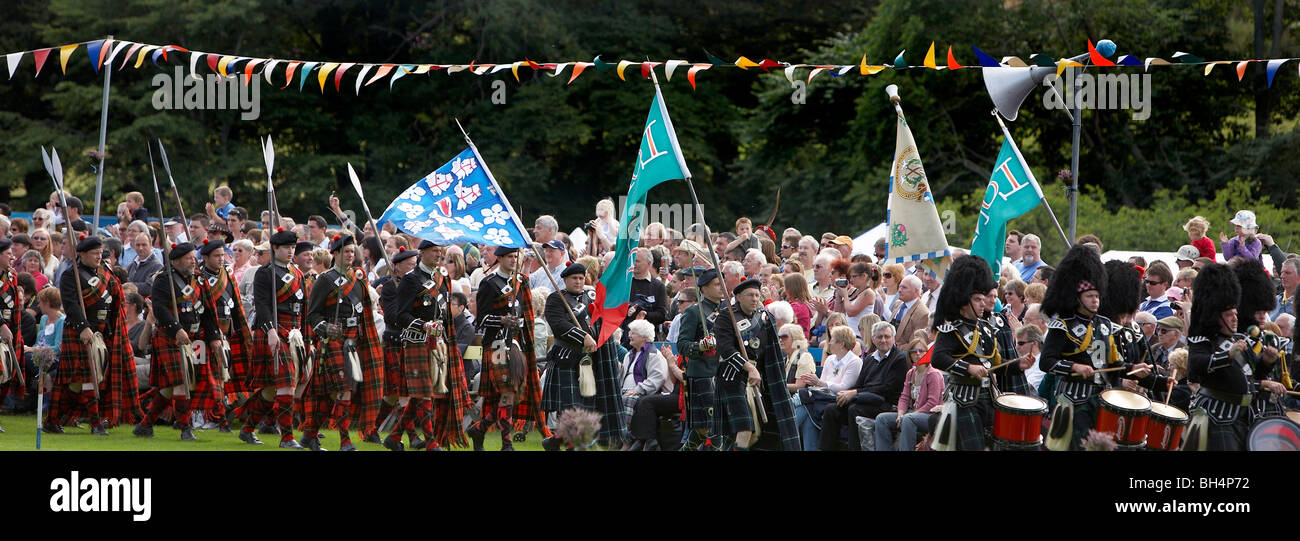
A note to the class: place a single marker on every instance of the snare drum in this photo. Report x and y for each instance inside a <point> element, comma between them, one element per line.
<point>1124,414</point>
<point>1274,434</point>
<point>1018,418</point>
<point>1165,427</point>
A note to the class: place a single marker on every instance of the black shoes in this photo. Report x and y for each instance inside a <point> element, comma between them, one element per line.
<point>187,434</point>
<point>143,431</point>
<point>249,438</point>
<point>348,447</point>
<point>551,444</point>
<point>372,437</point>
<point>291,444</point>
<point>475,433</point>
<point>393,445</point>
<point>98,431</point>
<point>51,428</point>
<point>507,446</point>
<point>312,443</point>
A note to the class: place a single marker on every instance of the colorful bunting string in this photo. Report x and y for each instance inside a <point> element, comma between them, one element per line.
<point>103,52</point>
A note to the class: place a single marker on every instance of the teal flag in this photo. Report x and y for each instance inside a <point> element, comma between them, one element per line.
<point>658,160</point>
<point>1012,191</point>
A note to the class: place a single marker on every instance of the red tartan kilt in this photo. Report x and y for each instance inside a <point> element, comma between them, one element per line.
<point>394,383</point>
<point>262,371</point>
<point>416,377</point>
<point>74,360</point>
<point>206,391</point>
<point>239,364</point>
<point>165,363</point>
<point>328,376</point>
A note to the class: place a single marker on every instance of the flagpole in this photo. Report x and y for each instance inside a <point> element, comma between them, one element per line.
<point>1007,133</point>
<point>699,212</point>
<point>103,134</point>
<point>528,239</point>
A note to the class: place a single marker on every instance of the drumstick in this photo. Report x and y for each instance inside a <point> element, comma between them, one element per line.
<point>1293,393</point>
<point>1102,371</point>
<point>1173,379</point>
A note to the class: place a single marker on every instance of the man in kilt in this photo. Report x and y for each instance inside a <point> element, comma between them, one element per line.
<point>1229,370</point>
<point>101,315</point>
<point>278,300</point>
<point>336,315</point>
<point>764,370</point>
<point>10,322</point>
<point>575,346</point>
<point>505,304</point>
<point>220,297</point>
<point>697,344</point>
<point>1119,304</point>
<point>1079,342</point>
<point>178,310</point>
<point>394,380</point>
<point>433,375</point>
<point>965,347</point>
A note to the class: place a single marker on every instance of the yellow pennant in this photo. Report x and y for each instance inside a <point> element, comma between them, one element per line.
<point>324,73</point>
<point>622,65</point>
<point>929,58</point>
<point>65,52</point>
<point>221,65</point>
<point>1063,63</point>
<point>745,63</point>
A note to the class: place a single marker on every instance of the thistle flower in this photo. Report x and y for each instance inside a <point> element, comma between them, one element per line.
<point>577,427</point>
<point>1063,175</point>
<point>1099,441</point>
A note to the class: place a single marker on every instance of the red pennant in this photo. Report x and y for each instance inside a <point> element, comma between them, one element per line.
<point>952,60</point>
<point>645,69</point>
<point>338,75</point>
<point>767,64</point>
<point>212,62</point>
<point>1096,58</point>
<point>40,57</point>
<point>288,74</point>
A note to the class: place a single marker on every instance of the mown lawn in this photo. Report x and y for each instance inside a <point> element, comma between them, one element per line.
<point>20,435</point>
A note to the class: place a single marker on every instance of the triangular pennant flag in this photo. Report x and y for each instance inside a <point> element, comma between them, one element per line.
<point>559,68</point>
<point>288,73</point>
<point>872,70</point>
<point>482,69</point>
<point>929,58</point>
<point>1271,69</point>
<point>1014,61</point>
<point>745,63</point>
<point>1241,68</point>
<point>899,63</point>
<point>1187,58</point>
<point>1043,61</point>
<point>814,73</point>
<point>713,60</point>
<point>1154,61</point>
<point>153,57</point>
<point>767,64</point>
<point>306,71</point>
<point>338,75</point>
<point>324,73</point>
<point>425,68</point>
<point>103,53</point>
<point>65,52</point>
<point>117,48</point>
<point>139,60</point>
<point>232,69</point>
<point>269,70</point>
<point>361,77</point>
<point>578,68</point>
<point>622,65</point>
<point>1066,63</point>
<point>1210,67</point>
<point>221,64</point>
<point>514,69</point>
<point>862,66</point>
<point>456,68</point>
<point>671,66</point>
<point>842,70</point>
<point>1096,58</point>
<point>601,65</point>
<point>494,67</point>
<point>39,56</point>
<point>173,48</point>
<point>131,51</point>
<point>985,60</point>
<point>789,73</point>
<point>690,74</point>
<point>380,73</point>
<point>952,60</point>
<point>248,69</point>
<point>1128,60</point>
<point>12,59</point>
<point>402,70</point>
<point>92,51</point>
<point>647,67</point>
<point>213,61</point>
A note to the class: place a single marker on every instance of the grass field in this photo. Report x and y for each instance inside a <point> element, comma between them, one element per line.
<point>20,435</point>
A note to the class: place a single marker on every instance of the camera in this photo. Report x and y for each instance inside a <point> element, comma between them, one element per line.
<point>841,282</point>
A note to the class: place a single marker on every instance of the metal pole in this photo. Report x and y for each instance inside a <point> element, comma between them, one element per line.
<point>103,134</point>
<point>1074,152</point>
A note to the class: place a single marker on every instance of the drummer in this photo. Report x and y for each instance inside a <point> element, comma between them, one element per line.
<point>1078,344</point>
<point>1227,369</point>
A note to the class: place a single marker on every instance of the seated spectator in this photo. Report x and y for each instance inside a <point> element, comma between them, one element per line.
<point>865,325</point>
<point>644,372</point>
<point>800,299</point>
<point>1034,293</point>
<point>1181,396</point>
<point>1157,280</point>
<point>49,330</point>
<point>1146,323</point>
<point>1034,316</point>
<point>797,359</point>
<point>921,398</point>
<point>840,369</point>
<point>879,382</point>
<point>34,265</point>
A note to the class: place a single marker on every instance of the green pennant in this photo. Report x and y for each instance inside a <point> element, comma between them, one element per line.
<point>1042,60</point>
<point>601,65</point>
<point>715,60</point>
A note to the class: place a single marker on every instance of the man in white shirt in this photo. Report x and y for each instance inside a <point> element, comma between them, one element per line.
<point>1029,344</point>
<point>821,286</point>
<point>556,261</point>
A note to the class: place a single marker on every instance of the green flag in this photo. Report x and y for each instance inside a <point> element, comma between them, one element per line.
<point>1012,191</point>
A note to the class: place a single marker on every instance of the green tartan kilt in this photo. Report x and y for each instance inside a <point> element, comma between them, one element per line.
<point>561,391</point>
<point>730,409</point>
<point>699,404</point>
<point>974,423</point>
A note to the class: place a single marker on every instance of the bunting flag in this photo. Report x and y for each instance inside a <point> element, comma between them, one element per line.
<point>457,203</point>
<point>658,160</point>
<point>1012,191</point>
<point>103,51</point>
<point>913,231</point>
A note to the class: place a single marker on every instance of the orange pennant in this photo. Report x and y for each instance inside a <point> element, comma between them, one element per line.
<point>288,74</point>
<point>745,63</point>
<point>383,70</point>
<point>577,70</point>
<point>690,74</point>
<point>952,60</point>
<point>1241,68</point>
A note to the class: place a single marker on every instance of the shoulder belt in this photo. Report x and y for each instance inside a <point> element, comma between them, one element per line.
<point>287,288</point>
<point>98,286</point>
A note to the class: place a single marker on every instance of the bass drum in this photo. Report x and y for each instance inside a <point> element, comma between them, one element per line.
<point>1274,434</point>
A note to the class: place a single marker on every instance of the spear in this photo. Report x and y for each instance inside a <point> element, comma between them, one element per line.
<point>356,183</point>
<point>268,155</point>
<point>167,260</point>
<point>55,168</point>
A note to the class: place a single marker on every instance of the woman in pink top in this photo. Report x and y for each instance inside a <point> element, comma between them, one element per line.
<point>921,398</point>
<point>797,294</point>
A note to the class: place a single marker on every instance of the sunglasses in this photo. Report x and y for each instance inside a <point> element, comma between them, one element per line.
<point>1153,282</point>
<point>783,336</point>
<point>889,275</point>
<point>787,247</point>
<point>1023,342</point>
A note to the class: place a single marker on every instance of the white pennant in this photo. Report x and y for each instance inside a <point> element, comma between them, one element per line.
<point>499,67</point>
<point>560,69</point>
<point>789,73</point>
<point>194,60</point>
<point>846,69</point>
<point>270,67</point>
<point>13,59</point>
<point>116,49</point>
<point>670,66</point>
<point>362,76</point>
